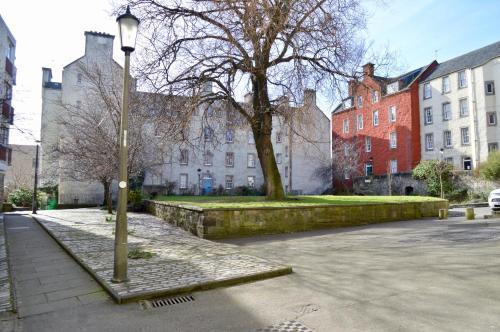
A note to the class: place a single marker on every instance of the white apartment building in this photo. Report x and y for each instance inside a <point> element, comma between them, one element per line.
<point>459,109</point>
<point>7,81</point>
<point>225,155</point>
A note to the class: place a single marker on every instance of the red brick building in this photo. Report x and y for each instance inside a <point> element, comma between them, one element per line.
<point>380,123</point>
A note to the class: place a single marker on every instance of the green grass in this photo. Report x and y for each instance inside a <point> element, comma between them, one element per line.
<point>214,202</point>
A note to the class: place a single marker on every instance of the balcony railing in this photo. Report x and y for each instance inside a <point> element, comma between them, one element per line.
<point>7,113</point>
<point>5,155</point>
<point>10,69</point>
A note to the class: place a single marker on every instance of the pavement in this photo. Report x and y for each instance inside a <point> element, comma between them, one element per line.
<point>180,261</point>
<point>422,275</point>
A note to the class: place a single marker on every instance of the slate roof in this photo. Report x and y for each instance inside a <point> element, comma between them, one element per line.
<point>469,60</point>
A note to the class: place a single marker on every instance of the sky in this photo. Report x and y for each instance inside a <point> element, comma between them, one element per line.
<point>50,33</point>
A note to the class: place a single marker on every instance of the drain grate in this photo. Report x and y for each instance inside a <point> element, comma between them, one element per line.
<point>288,326</point>
<point>158,303</point>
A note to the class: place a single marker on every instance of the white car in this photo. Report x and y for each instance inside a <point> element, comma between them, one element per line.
<point>494,200</point>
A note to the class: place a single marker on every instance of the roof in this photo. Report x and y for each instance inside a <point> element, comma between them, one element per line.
<point>469,60</point>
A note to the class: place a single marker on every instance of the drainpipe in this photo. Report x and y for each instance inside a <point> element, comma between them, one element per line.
<point>290,136</point>
<point>475,123</point>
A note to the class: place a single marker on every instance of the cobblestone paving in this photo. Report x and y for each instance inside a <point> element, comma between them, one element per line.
<point>180,259</point>
<point>5,300</point>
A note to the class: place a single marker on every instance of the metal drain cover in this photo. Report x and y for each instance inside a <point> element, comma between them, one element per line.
<point>287,326</point>
<point>158,303</point>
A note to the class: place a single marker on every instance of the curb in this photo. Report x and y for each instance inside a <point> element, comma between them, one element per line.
<point>472,205</point>
<point>175,291</point>
<point>13,298</point>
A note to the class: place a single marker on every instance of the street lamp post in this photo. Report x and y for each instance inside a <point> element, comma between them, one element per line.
<point>127,25</point>
<point>35,184</point>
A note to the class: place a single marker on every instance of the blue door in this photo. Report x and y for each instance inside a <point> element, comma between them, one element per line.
<point>207,185</point>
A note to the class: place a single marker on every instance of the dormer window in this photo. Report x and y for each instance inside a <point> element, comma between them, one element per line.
<point>393,87</point>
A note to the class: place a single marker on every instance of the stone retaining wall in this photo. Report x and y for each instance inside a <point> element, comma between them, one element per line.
<point>227,223</point>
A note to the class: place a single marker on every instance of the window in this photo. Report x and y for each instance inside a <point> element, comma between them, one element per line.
<point>489,87</point>
<point>464,107</point>
<point>286,151</point>
<point>79,78</point>
<point>208,133</point>
<point>462,79</point>
<point>393,140</point>
<point>428,115</point>
<point>229,182</point>
<point>346,176</point>
<point>375,118</point>
<point>492,147</point>
<point>394,166</point>
<point>446,84</point>
<point>78,104</point>
<point>464,133</point>
<point>492,118</point>
<point>8,91</point>
<point>392,114</point>
<point>278,158</point>
<point>251,181</point>
<point>10,50</point>
<point>447,138</point>
<point>251,160</point>
<point>4,135</point>
<point>360,121</point>
<point>346,149</point>
<point>286,171</point>
<point>230,136</point>
<point>446,111</point>
<point>360,101</point>
<point>427,90</point>
<point>429,142</point>
<point>393,87</point>
<point>345,126</point>
<point>279,137</point>
<point>448,160</point>
<point>208,158</point>
<point>229,159</point>
<point>184,159</point>
<point>251,139</point>
<point>467,163</point>
<point>183,181</point>
<point>374,96</point>
<point>368,144</point>
<point>368,169</point>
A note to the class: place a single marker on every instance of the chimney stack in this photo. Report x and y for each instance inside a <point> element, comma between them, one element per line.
<point>309,97</point>
<point>369,69</point>
<point>248,98</point>
<point>46,75</point>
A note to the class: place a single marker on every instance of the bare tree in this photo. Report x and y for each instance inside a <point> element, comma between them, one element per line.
<point>269,47</point>
<point>89,145</point>
<point>346,157</point>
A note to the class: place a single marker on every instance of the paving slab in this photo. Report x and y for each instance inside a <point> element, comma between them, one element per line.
<point>180,263</point>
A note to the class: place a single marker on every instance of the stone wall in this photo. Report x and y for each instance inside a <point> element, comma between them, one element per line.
<point>228,223</point>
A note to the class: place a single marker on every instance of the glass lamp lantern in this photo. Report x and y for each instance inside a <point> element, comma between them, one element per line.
<point>128,25</point>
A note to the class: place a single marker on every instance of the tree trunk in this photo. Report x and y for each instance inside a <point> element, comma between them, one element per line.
<point>107,196</point>
<point>262,126</point>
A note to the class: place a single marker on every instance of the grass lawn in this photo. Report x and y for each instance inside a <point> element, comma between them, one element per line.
<point>214,202</point>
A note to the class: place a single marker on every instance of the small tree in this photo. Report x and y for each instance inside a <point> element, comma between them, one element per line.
<point>436,174</point>
<point>490,170</point>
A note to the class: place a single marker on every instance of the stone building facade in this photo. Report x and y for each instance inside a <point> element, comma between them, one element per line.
<point>21,171</point>
<point>7,81</point>
<point>225,155</point>
<point>459,108</point>
<point>71,91</point>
